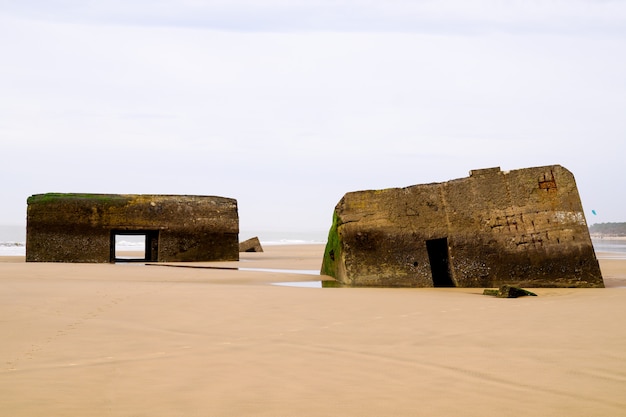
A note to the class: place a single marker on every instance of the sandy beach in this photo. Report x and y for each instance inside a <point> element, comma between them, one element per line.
<point>136,340</point>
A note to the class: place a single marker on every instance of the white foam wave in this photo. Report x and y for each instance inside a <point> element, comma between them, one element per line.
<point>12,244</point>
<point>12,249</point>
<point>124,245</point>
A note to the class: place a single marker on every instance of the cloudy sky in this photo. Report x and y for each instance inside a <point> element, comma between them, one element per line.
<point>288,105</point>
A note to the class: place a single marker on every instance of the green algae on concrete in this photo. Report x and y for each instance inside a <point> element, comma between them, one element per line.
<point>332,253</point>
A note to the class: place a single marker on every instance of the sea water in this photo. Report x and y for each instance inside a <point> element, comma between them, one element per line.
<point>609,245</point>
<point>13,241</point>
<point>269,238</point>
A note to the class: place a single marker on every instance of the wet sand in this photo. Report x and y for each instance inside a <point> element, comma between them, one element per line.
<point>135,340</point>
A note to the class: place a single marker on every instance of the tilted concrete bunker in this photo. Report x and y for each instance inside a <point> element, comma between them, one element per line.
<point>84,227</point>
<point>524,227</point>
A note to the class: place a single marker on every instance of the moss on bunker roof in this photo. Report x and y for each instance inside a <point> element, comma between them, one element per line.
<point>56,197</point>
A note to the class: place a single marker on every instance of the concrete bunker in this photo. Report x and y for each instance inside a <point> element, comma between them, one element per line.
<point>172,228</point>
<point>523,228</point>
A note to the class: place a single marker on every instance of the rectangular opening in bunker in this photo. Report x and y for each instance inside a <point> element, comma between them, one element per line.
<point>439,262</point>
<point>134,246</point>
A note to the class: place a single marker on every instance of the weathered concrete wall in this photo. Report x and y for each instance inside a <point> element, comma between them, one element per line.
<point>524,228</point>
<point>251,245</point>
<point>79,227</point>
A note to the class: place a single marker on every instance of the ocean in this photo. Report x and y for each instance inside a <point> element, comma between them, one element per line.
<point>615,247</point>
<point>13,239</point>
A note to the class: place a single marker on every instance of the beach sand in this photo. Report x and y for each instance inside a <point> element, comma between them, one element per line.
<point>135,340</point>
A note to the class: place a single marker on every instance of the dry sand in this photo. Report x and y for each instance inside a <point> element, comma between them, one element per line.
<point>134,340</point>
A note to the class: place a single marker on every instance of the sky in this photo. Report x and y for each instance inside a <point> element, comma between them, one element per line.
<point>288,105</point>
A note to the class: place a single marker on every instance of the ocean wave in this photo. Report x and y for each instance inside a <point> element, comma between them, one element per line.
<point>12,244</point>
<point>127,244</point>
<point>12,249</point>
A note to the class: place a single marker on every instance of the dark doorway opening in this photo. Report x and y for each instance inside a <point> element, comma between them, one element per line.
<point>134,245</point>
<point>439,262</point>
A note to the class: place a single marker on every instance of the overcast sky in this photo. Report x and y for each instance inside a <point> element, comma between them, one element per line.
<point>287,105</point>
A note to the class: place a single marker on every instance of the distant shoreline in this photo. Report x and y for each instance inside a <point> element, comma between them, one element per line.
<point>607,237</point>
